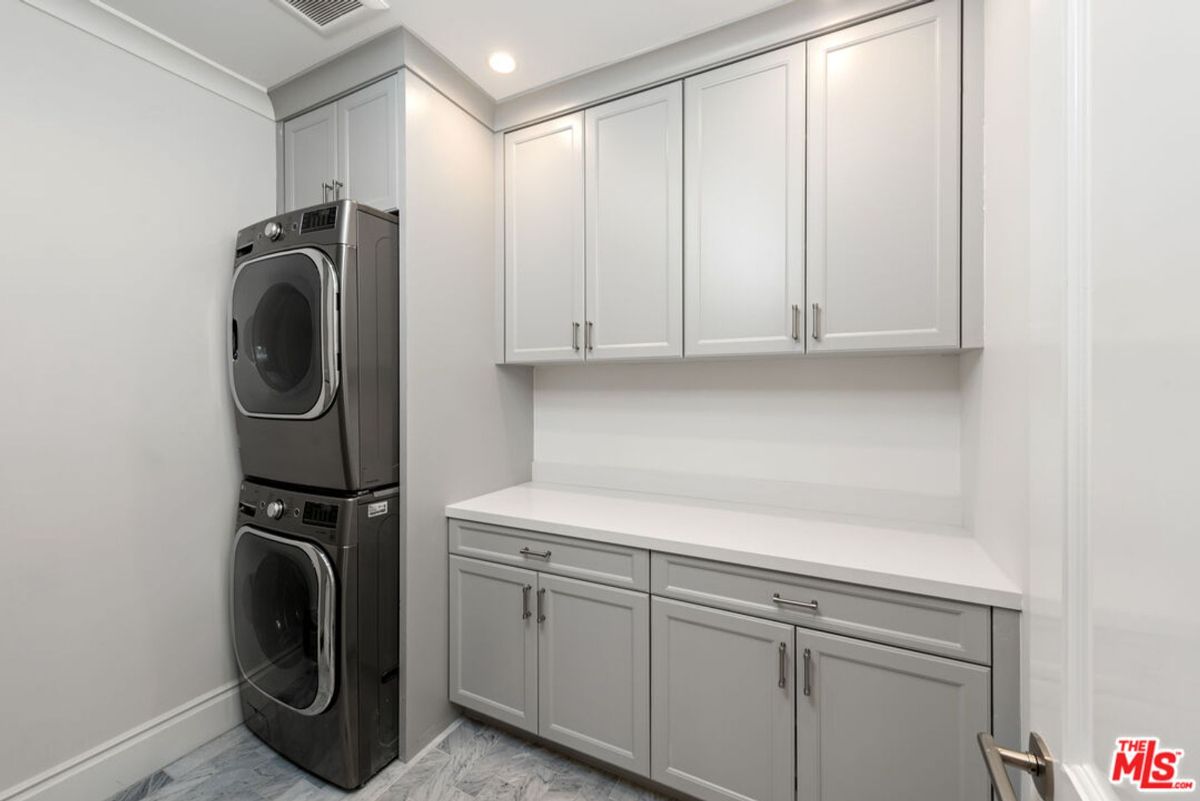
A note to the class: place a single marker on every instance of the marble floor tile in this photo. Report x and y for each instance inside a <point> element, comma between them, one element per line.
<point>144,788</point>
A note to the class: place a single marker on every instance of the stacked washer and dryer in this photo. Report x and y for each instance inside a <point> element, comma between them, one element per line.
<point>314,365</point>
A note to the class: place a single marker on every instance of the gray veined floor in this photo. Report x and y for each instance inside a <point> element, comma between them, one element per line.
<point>472,762</point>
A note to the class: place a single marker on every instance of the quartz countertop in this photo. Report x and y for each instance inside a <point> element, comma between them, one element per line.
<point>943,562</point>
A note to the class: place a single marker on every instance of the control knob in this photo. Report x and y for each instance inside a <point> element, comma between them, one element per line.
<point>275,509</point>
<point>273,231</point>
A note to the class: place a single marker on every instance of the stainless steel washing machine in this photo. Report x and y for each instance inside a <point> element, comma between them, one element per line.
<point>314,347</point>
<point>315,606</point>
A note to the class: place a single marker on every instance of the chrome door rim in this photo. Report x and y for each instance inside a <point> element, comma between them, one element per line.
<point>330,335</point>
<point>326,662</point>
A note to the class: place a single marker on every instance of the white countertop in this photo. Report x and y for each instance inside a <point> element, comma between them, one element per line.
<point>945,563</point>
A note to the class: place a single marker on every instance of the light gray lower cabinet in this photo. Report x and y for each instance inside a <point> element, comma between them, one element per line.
<point>594,670</point>
<point>723,711</point>
<point>875,722</point>
<point>494,641</point>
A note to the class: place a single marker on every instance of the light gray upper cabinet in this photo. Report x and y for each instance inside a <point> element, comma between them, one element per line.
<point>310,155</point>
<point>543,241</point>
<point>369,144</point>
<point>634,210</point>
<point>744,201</point>
<point>723,710</point>
<point>493,641</point>
<point>878,722</point>
<point>883,182</point>
<point>346,149</point>
<point>594,670</point>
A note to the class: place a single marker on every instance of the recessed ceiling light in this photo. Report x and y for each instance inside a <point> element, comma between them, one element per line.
<point>502,62</point>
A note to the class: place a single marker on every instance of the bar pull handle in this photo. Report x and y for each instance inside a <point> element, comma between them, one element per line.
<point>326,191</point>
<point>796,321</point>
<point>811,605</point>
<point>337,189</point>
<point>525,613</point>
<point>808,671</point>
<point>816,322</point>
<point>574,336</point>
<point>587,337</point>
<point>540,601</point>
<point>538,554</point>
<point>1036,762</point>
<point>783,664</point>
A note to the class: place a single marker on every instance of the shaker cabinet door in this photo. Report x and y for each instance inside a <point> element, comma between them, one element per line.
<point>309,158</point>
<point>883,183</point>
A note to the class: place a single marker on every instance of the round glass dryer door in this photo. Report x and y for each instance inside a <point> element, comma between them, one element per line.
<point>284,335</point>
<point>283,619</point>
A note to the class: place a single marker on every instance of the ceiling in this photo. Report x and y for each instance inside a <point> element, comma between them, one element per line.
<point>551,39</point>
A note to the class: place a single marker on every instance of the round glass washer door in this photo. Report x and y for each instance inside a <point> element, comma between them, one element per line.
<point>283,610</point>
<point>284,335</point>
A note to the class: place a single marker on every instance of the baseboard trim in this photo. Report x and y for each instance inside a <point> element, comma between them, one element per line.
<point>114,765</point>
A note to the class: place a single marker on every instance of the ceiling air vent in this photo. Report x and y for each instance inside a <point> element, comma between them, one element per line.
<point>325,15</point>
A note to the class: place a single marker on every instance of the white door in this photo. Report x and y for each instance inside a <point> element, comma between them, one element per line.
<point>744,206</point>
<point>634,154</point>
<point>1113,636</point>
<point>310,158</point>
<point>543,241</point>
<point>493,641</point>
<point>369,144</point>
<point>594,670</point>
<point>883,183</point>
<point>722,718</point>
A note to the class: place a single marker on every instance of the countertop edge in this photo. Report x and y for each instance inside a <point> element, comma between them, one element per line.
<point>964,593</point>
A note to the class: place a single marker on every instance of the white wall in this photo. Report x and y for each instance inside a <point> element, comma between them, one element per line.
<point>123,188</point>
<point>468,423</point>
<point>995,380</point>
<point>876,436</point>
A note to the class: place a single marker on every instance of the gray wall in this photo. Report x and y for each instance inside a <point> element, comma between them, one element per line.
<point>469,423</point>
<point>124,186</point>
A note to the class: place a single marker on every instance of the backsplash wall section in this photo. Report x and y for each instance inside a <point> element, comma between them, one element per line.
<point>877,437</point>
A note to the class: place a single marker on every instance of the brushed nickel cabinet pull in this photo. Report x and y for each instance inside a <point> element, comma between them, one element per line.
<point>779,599</point>
<point>796,321</point>
<point>525,613</point>
<point>538,554</point>
<point>574,336</point>
<point>816,321</point>
<point>337,189</point>
<point>783,664</point>
<point>1037,762</point>
<point>587,338</point>
<point>540,601</point>
<point>808,671</point>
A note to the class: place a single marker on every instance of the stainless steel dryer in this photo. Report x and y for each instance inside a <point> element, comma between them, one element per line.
<point>314,347</point>
<point>315,605</point>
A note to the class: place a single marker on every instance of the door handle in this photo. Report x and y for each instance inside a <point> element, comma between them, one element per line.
<point>779,599</point>
<point>796,321</point>
<point>538,554</point>
<point>587,337</point>
<point>808,671</point>
<point>540,601</point>
<point>525,613</point>
<point>326,189</point>
<point>574,336</point>
<point>816,322</point>
<point>337,189</point>
<point>1037,762</point>
<point>783,664</point>
<point>234,342</point>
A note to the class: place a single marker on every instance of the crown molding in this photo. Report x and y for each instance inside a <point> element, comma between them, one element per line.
<point>121,31</point>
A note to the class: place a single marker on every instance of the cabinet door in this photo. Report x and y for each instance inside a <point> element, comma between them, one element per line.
<point>493,641</point>
<point>543,241</point>
<point>744,208</point>
<point>594,670</point>
<point>880,722</point>
<point>883,182</point>
<point>723,714</point>
<point>634,155</point>
<point>309,157</point>
<point>369,144</point>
